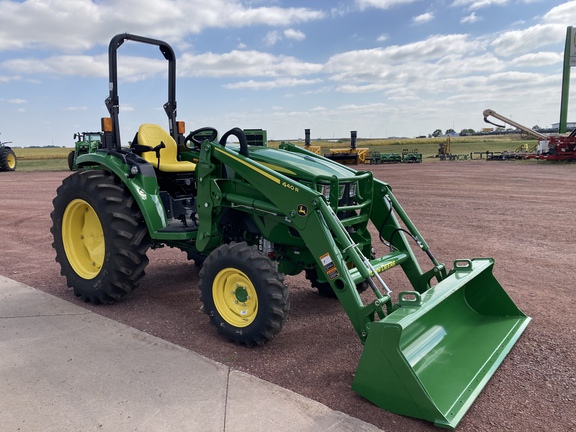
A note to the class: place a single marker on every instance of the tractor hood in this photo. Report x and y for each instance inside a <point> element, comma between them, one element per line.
<point>298,165</point>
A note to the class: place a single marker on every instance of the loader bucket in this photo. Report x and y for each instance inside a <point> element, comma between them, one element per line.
<point>431,358</point>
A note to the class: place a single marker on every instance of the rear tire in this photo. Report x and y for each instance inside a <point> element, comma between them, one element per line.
<point>7,159</point>
<point>243,294</point>
<point>99,235</point>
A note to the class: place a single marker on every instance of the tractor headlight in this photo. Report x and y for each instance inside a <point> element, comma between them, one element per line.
<point>326,192</point>
<point>352,190</point>
<point>325,189</point>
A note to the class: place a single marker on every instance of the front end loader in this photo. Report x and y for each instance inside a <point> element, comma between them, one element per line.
<point>248,215</point>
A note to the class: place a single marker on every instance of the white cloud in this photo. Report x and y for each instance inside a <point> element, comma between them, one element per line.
<point>518,42</point>
<point>41,23</point>
<point>560,13</point>
<point>381,4</point>
<point>470,19</point>
<point>552,31</point>
<point>129,67</point>
<point>268,85</point>
<point>294,34</point>
<point>479,4</point>
<point>17,101</point>
<point>340,10</point>
<point>272,38</point>
<point>126,108</point>
<point>382,38</point>
<point>368,88</point>
<point>244,63</point>
<point>319,90</point>
<point>539,59</point>
<point>424,18</point>
<point>365,65</point>
<point>32,24</point>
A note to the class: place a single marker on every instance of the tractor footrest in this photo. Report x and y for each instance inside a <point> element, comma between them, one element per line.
<point>178,229</point>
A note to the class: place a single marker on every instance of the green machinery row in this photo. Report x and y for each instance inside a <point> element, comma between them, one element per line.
<point>248,215</point>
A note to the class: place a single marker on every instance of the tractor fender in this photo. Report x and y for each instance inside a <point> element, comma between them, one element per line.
<point>142,186</point>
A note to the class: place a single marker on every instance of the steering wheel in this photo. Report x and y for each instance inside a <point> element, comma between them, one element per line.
<point>197,143</point>
<point>238,133</point>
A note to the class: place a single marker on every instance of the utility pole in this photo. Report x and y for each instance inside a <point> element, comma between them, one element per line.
<point>569,61</point>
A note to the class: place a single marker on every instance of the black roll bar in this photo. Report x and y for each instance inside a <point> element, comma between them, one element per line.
<point>112,101</point>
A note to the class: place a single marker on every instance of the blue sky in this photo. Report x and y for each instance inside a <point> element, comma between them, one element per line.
<point>381,67</point>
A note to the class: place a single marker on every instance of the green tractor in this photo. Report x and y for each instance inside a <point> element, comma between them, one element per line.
<point>248,215</point>
<point>7,157</point>
<point>86,142</point>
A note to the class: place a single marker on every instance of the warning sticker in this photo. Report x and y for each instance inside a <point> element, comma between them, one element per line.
<point>333,273</point>
<point>329,266</point>
<point>327,261</point>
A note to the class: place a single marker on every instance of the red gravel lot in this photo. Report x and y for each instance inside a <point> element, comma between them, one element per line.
<point>519,213</point>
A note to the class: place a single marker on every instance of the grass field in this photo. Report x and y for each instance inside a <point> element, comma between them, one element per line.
<point>41,159</point>
<point>55,159</point>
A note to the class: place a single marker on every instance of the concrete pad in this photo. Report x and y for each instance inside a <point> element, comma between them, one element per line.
<point>254,404</point>
<point>76,370</point>
<point>19,300</point>
<point>64,368</point>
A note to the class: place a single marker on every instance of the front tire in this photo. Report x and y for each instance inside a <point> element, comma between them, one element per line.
<point>99,235</point>
<point>243,294</point>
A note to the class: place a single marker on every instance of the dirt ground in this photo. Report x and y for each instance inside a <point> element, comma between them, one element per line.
<point>521,214</point>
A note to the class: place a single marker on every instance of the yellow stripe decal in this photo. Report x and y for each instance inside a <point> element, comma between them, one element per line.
<point>278,168</point>
<point>258,170</point>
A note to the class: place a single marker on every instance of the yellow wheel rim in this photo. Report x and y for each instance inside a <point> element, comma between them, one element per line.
<point>11,160</point>
<point>235,297</point>
<point>83,239</point>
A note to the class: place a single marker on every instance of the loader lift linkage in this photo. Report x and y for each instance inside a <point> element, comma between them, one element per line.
<point>250,214</point>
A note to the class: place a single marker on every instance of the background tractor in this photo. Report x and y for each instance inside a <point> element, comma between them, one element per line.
<point>7,157</point>
<point>86,142</point>
<point>248,215</point>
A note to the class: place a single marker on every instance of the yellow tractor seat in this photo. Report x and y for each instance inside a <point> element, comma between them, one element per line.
<point>166,159</point>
